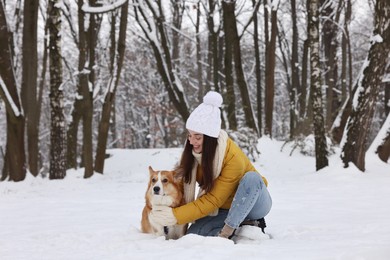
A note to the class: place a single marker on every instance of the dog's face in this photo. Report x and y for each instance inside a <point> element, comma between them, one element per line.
<point>165,183</point>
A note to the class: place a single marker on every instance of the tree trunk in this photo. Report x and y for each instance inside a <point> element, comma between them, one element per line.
<point>229,97</point>
<point>381,143</point>
<point>329,40</point>
<point>359,123</point>
<point>305,108</point>
<point>257,71</point>
<point>229,8</point>
<point>345,43</point>
<point>29,82</point>
<point>286,62</point>
<point>384,149</point>
<point>387,91</point>
<point>72,132</point>
<point>78,106</point>
<point>201,92</point>
<point>318,118</point>
<point>87,91</point>
<point>270,73</point>
<point>304,112</point>
<point>295,84</point>
<point>241,81</point>
<point>42,83</point>
<point>109,99</point>
<point>57,129</point>
<point>212,46</point>
<point>387,98</point>
<point>14,161</point>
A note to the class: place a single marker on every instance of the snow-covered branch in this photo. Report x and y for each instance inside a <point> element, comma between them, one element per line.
<point>8,98</point>
<point>103,9</point>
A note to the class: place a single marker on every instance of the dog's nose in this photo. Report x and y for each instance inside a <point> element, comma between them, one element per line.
<point>156,189</point>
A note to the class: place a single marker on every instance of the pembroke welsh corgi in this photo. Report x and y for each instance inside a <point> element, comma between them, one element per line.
<point>169,185</point>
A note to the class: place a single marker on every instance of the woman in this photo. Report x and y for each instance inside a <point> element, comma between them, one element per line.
<point>231,191</point>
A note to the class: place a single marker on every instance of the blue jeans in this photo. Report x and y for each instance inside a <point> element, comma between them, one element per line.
<point>251,201</point>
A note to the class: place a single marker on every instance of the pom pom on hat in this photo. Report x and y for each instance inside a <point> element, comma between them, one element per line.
<point>213,98</point>
<point>206,118</point>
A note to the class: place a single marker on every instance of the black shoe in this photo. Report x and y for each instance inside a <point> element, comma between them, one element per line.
<point>256,223</point>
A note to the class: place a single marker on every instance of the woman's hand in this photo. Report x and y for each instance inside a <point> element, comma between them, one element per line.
<point>162,215</point>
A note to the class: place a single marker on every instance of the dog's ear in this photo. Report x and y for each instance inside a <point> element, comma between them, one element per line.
<point>151,171</point>
<point>178,174</point>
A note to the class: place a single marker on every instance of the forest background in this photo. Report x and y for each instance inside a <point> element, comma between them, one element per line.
<point>293,70</point>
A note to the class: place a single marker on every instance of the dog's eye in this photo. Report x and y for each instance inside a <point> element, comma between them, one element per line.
<point>154,180</point>
<point>164,180</point>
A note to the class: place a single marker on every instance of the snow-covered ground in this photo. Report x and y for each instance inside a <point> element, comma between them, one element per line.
<point>336,213</point>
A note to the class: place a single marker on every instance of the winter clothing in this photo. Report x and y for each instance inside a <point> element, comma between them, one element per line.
<point>206,118</point>
<point>251,202</point>
<point>209,225</point>
<point>227,232</point>
<point>234,165</point>
<point>162,215</point>
<point>189,188</point>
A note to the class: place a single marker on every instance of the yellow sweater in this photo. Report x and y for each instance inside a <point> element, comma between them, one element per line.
<point>235,165</point>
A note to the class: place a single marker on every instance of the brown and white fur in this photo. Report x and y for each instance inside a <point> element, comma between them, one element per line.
<point>164,188</point>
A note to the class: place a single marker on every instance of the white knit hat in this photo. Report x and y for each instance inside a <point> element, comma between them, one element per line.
<point>206,118</point>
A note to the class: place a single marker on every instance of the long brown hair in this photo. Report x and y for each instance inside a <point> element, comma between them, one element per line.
<point>208,154</point>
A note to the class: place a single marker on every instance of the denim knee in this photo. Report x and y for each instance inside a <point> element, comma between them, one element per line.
<point>252,177</point>
<point>210,225</point>
<point>204,230</point>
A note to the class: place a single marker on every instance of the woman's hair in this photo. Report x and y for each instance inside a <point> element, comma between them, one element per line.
<point>208,153</point>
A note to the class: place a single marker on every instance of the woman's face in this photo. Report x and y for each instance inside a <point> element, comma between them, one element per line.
<point>196,140</point>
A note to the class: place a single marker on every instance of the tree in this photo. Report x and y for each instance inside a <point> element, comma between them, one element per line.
<point>29,82</point>
<point>199,53</point>
<point>270,70</point>
<point>359,123</point>
<point>212,54</point>
<point>381,143</point>
<point>331,16</point>
<point>295,83</point>
<point>344,112</point>
<point>315,70</point>
<point>256,47</point>
<point>229,97</point>
<point>150,17</point>
<point>15,161</point>
<point>238,67</point>
<point>110,95</point>
<point>57,127</point>
<point>82,85</point>
<point>305,108</point>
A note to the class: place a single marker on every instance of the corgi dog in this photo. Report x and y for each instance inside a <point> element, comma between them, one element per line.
<point>166,187</point>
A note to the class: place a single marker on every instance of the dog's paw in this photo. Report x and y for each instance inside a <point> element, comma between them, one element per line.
<point>161,200</point>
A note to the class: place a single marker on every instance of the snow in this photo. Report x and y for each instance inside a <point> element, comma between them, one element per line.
<point>376,38</point>
<point>380,137</point>
<point>9,98</point>
<point>336,213</point>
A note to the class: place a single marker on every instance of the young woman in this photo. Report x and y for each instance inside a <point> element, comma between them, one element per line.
<point>231,191</point>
